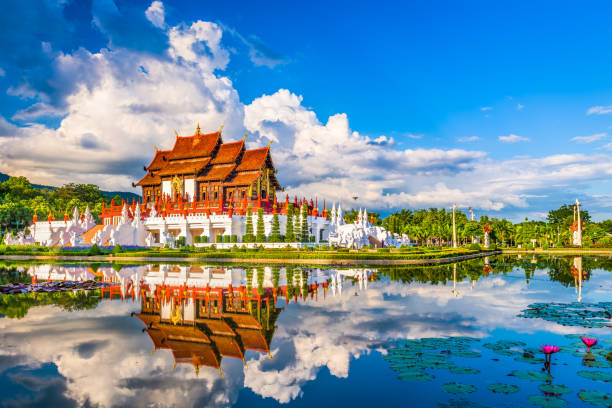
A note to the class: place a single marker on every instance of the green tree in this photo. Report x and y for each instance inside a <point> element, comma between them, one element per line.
<point>275,235</point>
<point>248,234</point>
<point>261,233</point>
<point>565,213</point>
<point>18,188</point>
<point>297,228</point>
<point>289,233</point>
<point>304,234</point>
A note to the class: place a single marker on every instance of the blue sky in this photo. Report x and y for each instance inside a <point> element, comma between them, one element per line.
<point>501,106</point>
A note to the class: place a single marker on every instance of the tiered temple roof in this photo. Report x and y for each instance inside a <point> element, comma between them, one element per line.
<point>206,158</point>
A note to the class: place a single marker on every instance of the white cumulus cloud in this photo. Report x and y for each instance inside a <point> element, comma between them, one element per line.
<point>588,139</point>
<point>512,138</point>
<point>599,110</point>
<point>156,14</point>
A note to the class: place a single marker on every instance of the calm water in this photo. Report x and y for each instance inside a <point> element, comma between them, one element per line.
<point>447,336</point>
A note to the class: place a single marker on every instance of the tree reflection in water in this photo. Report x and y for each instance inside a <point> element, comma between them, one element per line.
<point>270,329</point>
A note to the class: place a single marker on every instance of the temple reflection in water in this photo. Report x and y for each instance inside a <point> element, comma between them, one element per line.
<point>204,313</point>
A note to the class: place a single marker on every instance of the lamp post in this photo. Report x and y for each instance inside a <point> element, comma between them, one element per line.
<point>454,227</point>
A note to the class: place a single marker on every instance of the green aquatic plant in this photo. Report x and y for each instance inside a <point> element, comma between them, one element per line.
<point>500,388</point>
<point>597,398</point>
<point>532,375</point>
<point>596,375</point>
<point>588,315</point>
<point>463,370</point>
<point>415,376</point>
<point>547,401</point>
<point>458,388</point>
<point>554,389</point>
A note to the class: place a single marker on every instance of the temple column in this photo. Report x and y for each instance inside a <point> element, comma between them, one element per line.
<point>162,233</point>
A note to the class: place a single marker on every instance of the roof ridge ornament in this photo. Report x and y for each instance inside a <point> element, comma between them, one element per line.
<point>270,144</point>
<point>221,128</point>
<point>176,133</point>
<point>156,149</point>
<point>198,129</point>
<point>245,136</point>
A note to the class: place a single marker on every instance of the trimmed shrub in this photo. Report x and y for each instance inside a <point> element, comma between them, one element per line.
<point>94,250</point>
<point>117,249</point>
<point>261,233</point>
<point>275,235</point>
<point>474,247</point>
<point>234,239</point>
<point>604,242</point>
<point>219,239</point>
<point>289,231</point>
<point>197,239</point>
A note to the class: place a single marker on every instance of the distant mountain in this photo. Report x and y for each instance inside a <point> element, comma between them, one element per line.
<point>127,196</point>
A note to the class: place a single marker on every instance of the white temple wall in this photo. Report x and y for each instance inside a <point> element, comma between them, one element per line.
<point>166,187</point>
<point>190,188</point>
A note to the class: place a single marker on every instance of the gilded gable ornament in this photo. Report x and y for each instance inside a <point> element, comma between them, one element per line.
<point>177,186</point>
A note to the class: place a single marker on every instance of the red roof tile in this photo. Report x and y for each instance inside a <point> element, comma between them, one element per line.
<point>149,180</point>
<point>253,340</point>
<point>188,167</point>
<point>218,172</point>
<point>228,152</point>
<point>194,146</point>
<point>253,159</point>
<point>227,346</point>
<point>159,160</point>
<point>198,354</point>
<point>244,179</point>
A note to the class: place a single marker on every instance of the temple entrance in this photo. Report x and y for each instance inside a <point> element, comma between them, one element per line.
<point>216,232</point>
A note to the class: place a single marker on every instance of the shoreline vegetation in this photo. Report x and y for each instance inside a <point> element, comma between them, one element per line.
<point>381,256</point>
<point>320,256</point>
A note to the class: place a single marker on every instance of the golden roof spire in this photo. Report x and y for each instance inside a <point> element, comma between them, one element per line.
<point>221,128</point>
<point>270,144</point>
<point>176,133</point>
<point>198,129</point>
<point>245,136</point>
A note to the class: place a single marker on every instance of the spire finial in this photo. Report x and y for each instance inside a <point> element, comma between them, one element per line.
<point>198,129</point>
<point>156,149</point>
<point>270,144</point>
<point>245,136</point>
<point>221,128</point>
<point>176,133</point>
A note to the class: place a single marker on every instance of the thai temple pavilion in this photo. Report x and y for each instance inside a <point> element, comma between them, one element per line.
<point>200,191</point>
<point>203,168</point>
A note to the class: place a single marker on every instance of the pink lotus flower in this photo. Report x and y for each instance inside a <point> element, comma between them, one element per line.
<point>546,349</point>
<point>588,342</point>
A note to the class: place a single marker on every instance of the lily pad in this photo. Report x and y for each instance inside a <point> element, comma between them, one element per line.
<point>588,315</point>
<point>464,370</point>
<point>458,388</point>
<point>575,336</point>
<point>597,363</point>
<point>415,376</point>
<point>554,389</point>
<point>596,375</point>
<point>530,360</point>
<point>548,402</point>
<point>500,388</point>
<point>466,354</point>
<point>597,398</point>
<point>531,375</point>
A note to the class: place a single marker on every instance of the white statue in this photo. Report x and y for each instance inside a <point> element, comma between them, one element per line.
<point>149,241</point>
<point>73,238</point>
<point>124,215</point>
<point>75,215</point>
